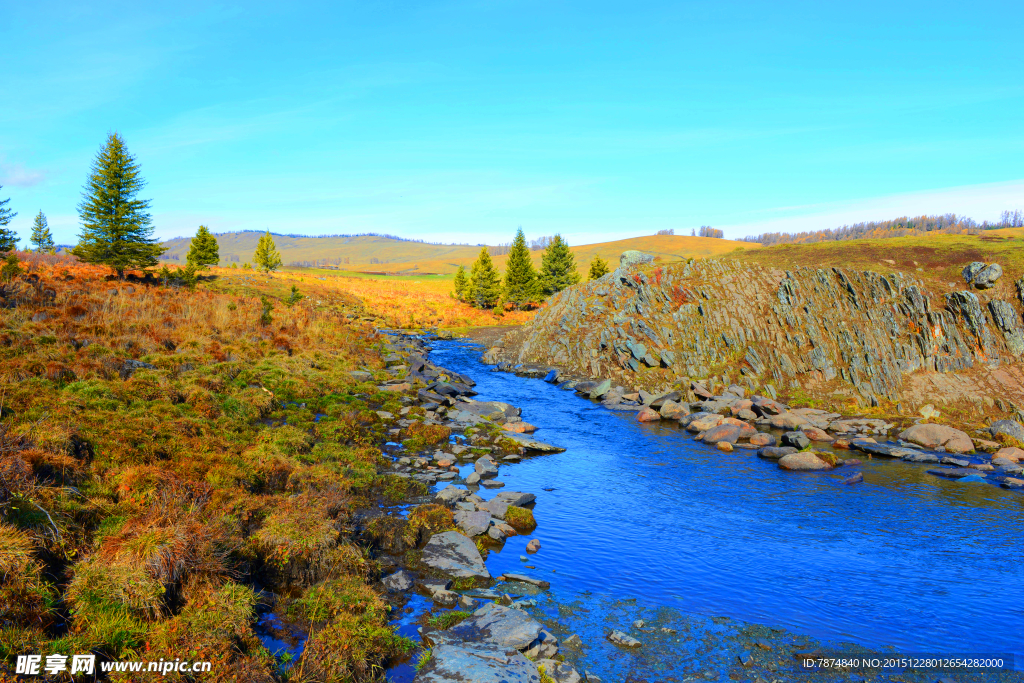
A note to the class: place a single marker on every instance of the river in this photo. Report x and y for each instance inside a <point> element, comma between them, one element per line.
<point>641,512</point>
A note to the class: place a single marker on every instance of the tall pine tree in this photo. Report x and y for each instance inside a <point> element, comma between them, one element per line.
<point>266,257</point>
<point>558,267</point>
<point>41,236</point>
<point>8,238</point>
<point>598,267</point>
<point>484,283</point>
<point>521,286</point>
<point>203,252</point>
<point>117,230</point>
<point>461,284</point>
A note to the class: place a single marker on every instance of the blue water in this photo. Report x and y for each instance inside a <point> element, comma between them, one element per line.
<point>642,511</point>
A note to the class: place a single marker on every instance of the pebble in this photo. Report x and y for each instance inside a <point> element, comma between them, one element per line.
<point>533,546</point>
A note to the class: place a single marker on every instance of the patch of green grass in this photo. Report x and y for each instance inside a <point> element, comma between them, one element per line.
<point>446,620</point>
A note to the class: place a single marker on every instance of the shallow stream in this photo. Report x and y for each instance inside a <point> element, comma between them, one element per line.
<point>641,512</point>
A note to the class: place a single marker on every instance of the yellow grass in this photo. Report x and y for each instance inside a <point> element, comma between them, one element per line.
<point>386,301</point>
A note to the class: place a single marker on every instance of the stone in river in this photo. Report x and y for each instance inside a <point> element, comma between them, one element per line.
<point>854,479</point>
<point>517,498</point>
<point>398,582</point>
<point>788,421</point>
<point>702,422</point>
<point>480,662</point>
<point>671,410</point>
<point>955,472</point>
<point>492,484</point>
<point>775,452</point>
<point>815,434</point>
<point>955,462</point>
<point>795,440</point>
<point>648,415</point>
<point>473,523</point>
<point>920,457</point>
<point>559,672</point>
<point>620,638</point>
<point>519,427</point>
<point>1012,483</point>
<point>486,468</point>
<point>724,446</point>
<point>451,494</point>
<point>601,389</point>
<point>1007,428</point>
<point>802,462</point>
<point>533,546</point>
<point>972,478</point>
<point>762,439</point>
<point>1014,454</point>
<point>935,435</point>
<point>473,479</point>
<point>728,432</point>
<point>532,444</point>
<point>454,554</point>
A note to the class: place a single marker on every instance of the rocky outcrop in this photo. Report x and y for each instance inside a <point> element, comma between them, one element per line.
<point>862,334</point>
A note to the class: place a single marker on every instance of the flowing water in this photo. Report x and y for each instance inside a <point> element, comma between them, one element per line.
<point>641,512</point>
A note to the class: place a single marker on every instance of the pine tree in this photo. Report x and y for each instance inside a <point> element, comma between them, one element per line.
<point>598,267</point>
<point>117,231</point>
<point>461,283</point>
<point>266,256</point>
<point>8,238</point>
<point>484,283</point>
<point>521,286</point>
<point>203,251</point>
<point>558,267</point>
<point>41,236</point>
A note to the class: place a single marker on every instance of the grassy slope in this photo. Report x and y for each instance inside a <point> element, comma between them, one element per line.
<point>175,488</point>
<point>399,256</point>
<point>936,259</point>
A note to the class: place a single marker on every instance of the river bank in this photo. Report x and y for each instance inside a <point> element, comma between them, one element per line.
<point>629,588</point>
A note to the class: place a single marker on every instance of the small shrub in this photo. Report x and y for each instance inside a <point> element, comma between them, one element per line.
<point>519,518</point>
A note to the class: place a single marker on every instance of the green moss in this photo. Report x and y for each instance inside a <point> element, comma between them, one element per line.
<point>446,620</point>
<point>519,518</point>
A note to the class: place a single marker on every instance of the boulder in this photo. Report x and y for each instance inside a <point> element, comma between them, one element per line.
<point>934,436</point>
<point>797,440</point>
<point>765,407</point>
<point>450,495</point>
<point>517,498</point>
<point>704,422</point>
<point>532,444</point>
<point>1012,454</point>
<point>519,427</point>
<point>788,421</point>
<point>544,647</point>
<point>485,467</point>
<point>802,462</point>
<point>815,434</point>
<point>724,446</point>
<point>480,662</point>
<point>730,433</point>
<point>762,439</point>
<point>473,523</point>
<point>648,415</point>
<point>987,276</point>
<point>601,389</point>
<point>1010,428</point>
<point>620,638</point>
<point>633,257</point>
<point>970,270</point>
<point>660,401</point>
<point>670,410</point>
<point>454,554</point>
<point>398,582</point>
<point>533,546</point>
<point>559,672</point>
<point>774,452</point>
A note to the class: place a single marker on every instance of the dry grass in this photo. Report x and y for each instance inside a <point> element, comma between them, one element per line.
<point>144,455</point>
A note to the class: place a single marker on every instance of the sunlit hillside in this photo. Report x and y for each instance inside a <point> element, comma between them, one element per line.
<point>367,253</point>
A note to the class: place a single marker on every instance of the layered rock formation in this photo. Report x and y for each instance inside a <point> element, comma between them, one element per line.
<point>862,334</point>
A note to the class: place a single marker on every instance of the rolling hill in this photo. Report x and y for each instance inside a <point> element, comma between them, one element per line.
<point>387,254</point>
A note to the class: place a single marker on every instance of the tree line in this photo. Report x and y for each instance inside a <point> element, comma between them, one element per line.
<point>947,224</point>
<point>522,285</point>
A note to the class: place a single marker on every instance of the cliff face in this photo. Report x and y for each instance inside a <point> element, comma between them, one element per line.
<point>857,335</point>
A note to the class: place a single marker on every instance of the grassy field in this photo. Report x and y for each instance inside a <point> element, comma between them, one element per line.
<point>399,302</point>
<point>936,259</point>
<point>162,451</point>
<point>396,256</point>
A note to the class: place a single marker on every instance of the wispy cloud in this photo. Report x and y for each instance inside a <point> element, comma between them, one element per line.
<point>19,175</point>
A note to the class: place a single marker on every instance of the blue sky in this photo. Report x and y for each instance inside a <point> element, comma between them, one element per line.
<point>460,120</point>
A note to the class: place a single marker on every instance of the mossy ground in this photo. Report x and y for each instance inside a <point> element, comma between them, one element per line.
<point>140,505</point>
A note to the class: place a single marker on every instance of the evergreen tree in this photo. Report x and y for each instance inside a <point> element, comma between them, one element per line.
<point>521,286</point>
<point>598,267</point>
<point>11,269</point>
<point>558,267</point>
<point>8,238</point>
<point>295,297</point>
<point>41,236</point>
<point>484,283</point>
<point>203,251</point>
<point>461,283</point>
<point>117,230</point>
<point>266,256</point>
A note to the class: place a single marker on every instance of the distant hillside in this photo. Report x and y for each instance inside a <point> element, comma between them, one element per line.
<point>393,255</point>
